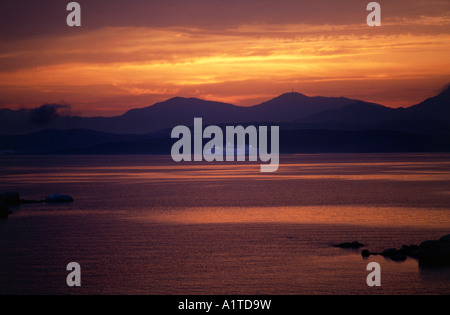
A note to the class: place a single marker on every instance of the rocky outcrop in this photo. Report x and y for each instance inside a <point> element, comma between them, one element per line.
<point>445,238</point>
<point>434,252</point>
<point>353,245</point>
<point>389,252</point>
<point>10,198</point>
<point>4,211</point>
<point>409,250</point>
<point>13,199</point>
<point>57,198</point>
<point>5,201</point>
<point>398,257</point>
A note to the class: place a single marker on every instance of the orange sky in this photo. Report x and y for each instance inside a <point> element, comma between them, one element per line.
<point>109,66</point>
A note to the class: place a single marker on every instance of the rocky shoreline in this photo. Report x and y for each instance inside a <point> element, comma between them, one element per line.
<point>430,252</point>
<point>13,199</point>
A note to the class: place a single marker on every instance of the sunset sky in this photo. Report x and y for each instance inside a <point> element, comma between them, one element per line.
<point>135,53</point>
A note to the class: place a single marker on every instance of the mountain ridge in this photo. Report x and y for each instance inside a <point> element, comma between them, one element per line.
<point>331,125</point>
<point>287,108</point>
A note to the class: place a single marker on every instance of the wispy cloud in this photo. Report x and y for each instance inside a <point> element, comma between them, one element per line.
<point>127,64</point>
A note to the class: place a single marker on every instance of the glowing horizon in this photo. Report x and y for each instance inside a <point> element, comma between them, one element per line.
<point>109,69</point>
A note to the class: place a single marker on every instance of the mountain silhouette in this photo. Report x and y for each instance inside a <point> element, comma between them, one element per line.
<point>307,125</point>
<point>50,139</point>
<point>182,111</point>
<point>358,112</point>
<point>295,141</point>
<point>175,111</point>
<point>291,106</point>
<point>297,110</point>
<point>437,107</point>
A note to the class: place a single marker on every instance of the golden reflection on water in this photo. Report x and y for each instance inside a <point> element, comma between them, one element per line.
<point>342,215</point>
<point>396,171</point>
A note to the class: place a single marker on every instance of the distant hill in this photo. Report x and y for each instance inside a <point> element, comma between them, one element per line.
<point>292,140</point>
<point>437,108</point>
<point>176,111</point>
<point>297,141</point>
<point>307,124</point>
<point>291,106</point>
<point>357,112</point>
<point>49,140</point>
<point>429,117</point>
<point>285,108</point>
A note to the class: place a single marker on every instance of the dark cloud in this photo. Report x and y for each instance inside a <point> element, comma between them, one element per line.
<point>28,18</point>
<point>47,113</point>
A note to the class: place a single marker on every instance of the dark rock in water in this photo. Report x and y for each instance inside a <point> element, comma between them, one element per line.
<point>408,250</point>
<point>4,212</point>
<point>445,238</point>
<point>414,254</point>
<point>58,198</point>
<point>389,252</point>
<point>429,253</point>
<point>11,198</point>
<point>434,252</point>
<point>30,201</point>
<point>353,245</point>
<point>398,257</point>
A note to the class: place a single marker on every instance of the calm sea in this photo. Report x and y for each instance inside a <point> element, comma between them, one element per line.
<point>147,225</point>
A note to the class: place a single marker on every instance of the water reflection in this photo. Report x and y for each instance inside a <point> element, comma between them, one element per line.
<point>340,215</point>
